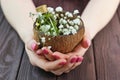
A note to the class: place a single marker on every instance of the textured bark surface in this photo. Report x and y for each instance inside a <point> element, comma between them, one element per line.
<point>68,42</point>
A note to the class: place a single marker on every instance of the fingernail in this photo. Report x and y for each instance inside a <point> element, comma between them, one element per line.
<point>73,60</point>
<point>56,57</point>
<point>79,59</point>
<point>45,51</point>
<point>38,52</point>
<point>34,46</point>
<point>62,63</point>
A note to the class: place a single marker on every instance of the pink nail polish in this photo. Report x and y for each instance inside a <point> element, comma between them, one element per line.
<point>62,63</point>
<point>34,46</point>
<point>38,52</point>
<point>73,60</point>
<point>79,59</point>
<point>45,51</point>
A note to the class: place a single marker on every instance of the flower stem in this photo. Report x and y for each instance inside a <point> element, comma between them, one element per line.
<point>54,27</point>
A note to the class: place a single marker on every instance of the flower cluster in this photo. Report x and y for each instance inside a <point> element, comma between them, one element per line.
<point>57,22</point>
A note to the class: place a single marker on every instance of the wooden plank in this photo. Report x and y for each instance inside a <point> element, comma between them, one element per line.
<point>70,5</point>
<point>107,51</point>
<point>51,3</point>
<point>86,71</point>
<point>29,72</point>
<point>118,10</point>
<point>1,16</point>
<point>10,50</point>
<point>36,2</point>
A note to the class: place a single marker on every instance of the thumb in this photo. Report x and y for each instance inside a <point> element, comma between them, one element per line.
<point>85,43</point>
<point>32,45</point>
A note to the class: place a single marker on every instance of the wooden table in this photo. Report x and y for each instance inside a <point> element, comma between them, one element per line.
<point>101,61</point>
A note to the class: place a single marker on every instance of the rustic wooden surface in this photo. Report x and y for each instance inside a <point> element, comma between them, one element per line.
<point>101,61</point>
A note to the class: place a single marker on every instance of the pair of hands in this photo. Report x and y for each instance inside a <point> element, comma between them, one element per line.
<point>56,62</point>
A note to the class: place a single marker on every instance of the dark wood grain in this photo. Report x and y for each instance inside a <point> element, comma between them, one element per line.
<point>68,5</point>
<point>101,62</point>
<point>118,12</point>
<point>107,51</point>
<point>51,3</point>
<point>29,72</point>
<point>11,49</point>
<point>86,71</point>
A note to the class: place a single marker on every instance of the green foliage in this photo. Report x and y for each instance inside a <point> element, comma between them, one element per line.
<point>46,20</point>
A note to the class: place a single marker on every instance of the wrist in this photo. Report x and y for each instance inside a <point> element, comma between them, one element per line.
<point>25,34</point>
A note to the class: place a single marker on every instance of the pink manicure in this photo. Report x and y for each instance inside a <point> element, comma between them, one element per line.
<point>79,59</point>
<point>34,46</point>
<point>73,60</point>
<point>45,51</point>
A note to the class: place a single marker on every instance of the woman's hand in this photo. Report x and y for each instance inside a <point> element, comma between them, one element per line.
<point>73,58</point>
<point>56,62</point>
<point>41,61</point>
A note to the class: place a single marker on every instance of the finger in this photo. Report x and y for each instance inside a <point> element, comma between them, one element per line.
<point>57,73</point>
<point>32,45</point>
<point>67,71</point>
<point>76,65</point>
<point>51,65</point>
<point>79,59</point>
<point>44,64</point>
<point>73,61</point>
<point>85,43</point>
<point>33,57</point>
<point>79,50</point>
<point>39,52</point>
<point>67,67</point>
<point>58,55</point>
<point>78,62</point>
<point>48,53</point>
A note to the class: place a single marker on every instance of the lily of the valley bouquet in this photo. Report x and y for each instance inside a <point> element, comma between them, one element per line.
<point>57,29</point>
